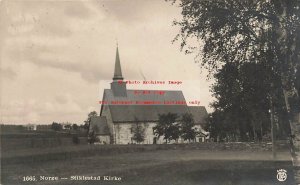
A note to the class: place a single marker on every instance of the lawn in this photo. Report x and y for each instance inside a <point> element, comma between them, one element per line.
<point>160,167</point>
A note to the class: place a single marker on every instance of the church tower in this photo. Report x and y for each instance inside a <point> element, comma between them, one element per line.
<point>118,86</point>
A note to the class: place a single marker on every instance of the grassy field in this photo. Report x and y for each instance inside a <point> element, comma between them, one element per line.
<point>160,167</point>
<point>38,139</point>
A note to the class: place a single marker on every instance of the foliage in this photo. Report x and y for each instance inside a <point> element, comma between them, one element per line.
<point>187,131</point>
<point>244,31</point>
<point>85,126</point>
<point>56,126</point>
<point>167,127</point>
<point>138,132</point>
<point>171,128</point>
<point>297,80</point>
<point>242,103</point>
<point>87,122</point>
<point>215,125</point>
<point>238,39</point>
<point>75,126</point>
<point>92,137</point>
<point>68,126</point>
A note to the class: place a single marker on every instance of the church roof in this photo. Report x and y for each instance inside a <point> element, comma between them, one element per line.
<point>199,113</point>
<point>150,112</point>
<point>152,95</point>
<point>128,113</point>
<point>99,125</point>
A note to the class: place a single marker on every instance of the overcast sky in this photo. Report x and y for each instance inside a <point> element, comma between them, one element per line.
<point>57,56</point>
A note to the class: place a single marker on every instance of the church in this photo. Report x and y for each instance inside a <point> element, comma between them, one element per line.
<point>114,125</point>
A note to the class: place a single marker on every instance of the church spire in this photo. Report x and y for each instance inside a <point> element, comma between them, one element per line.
<point>118,88</point>
<point>118,71</point>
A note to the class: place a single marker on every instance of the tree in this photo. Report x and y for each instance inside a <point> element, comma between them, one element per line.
<point>167,127</point>
<point>187,131</point>
<point>215,126</point>
<point>92,137</point>
<point>243,31</point>
<point>75,126</point>
<point>68,126</point>
<point>87,122</point>
<point>248,32</point>
<point>242,104</point>
<point>138,132</point>
<point>174,131</point>
<point>227,91</point>
<point>56,126</point>
<point>85,126</point>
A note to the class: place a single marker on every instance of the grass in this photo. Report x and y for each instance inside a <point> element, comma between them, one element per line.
<point>10,141</point>
<point>161,167</point>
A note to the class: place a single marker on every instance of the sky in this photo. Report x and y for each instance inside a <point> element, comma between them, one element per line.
<point>56,57</point>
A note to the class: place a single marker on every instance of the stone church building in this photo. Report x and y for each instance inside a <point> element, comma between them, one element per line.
<point>118,113</point>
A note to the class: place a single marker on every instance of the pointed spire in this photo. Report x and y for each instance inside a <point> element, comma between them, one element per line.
<point>118,71</point>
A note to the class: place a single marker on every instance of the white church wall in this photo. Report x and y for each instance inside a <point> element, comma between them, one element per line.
<point>103,139</point>
<point>124,134</point>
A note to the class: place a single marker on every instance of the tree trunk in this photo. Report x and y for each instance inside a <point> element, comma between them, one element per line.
<point>261,131</point>
<point>286,52</point>
<point>272,128</point>
<point>254,131</point>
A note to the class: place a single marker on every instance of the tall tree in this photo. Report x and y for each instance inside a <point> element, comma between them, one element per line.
<point>216,126</point>
<point>247,31</point>
<point>75,126</point>
<point>187,131</point>
<point>167,127</point>
<point>138,132</point>
<point>242,105</point>
<point>243,31</point>
<point>56,126</point>
<point>87,122</point>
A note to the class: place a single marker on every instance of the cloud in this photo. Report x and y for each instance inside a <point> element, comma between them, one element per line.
<point>77,10</point>
<point>131,12</point>
<point>61,99</point>
<point>48,18</point>
<point>54,53</point>
<point>40,111</point>
<point>89,72</point>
